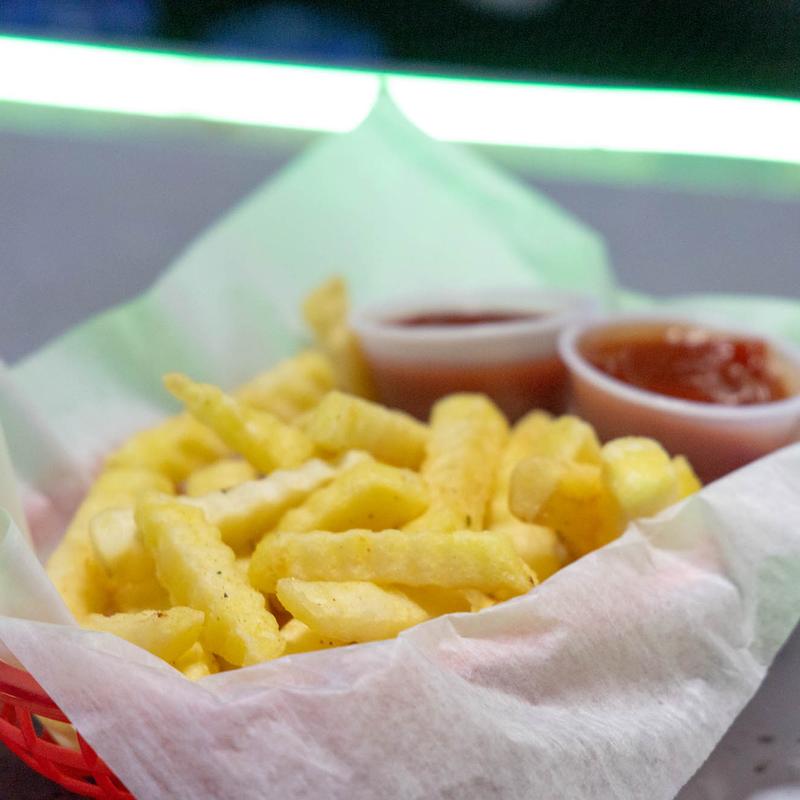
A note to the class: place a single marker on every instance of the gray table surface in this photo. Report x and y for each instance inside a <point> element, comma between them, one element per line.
<point>89,218</point>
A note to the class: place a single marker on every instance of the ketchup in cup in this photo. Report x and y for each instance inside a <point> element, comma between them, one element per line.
<point>499,342</point>
<point>692,364</point>
<point>721,397</point>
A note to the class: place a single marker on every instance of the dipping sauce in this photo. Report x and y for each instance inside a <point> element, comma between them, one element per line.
<point>718,395</point>
<point>456,318</point>
<point>516,386</point>
<point>513,384</point>
<point>690,363</point>
<point>498,341</point>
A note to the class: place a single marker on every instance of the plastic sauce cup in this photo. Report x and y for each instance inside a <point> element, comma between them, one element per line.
<point>502,342</point>
<point>716,438</point>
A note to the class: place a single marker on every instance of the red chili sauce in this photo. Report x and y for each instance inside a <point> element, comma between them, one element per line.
<point>454,318</point>
<point>691,364</point>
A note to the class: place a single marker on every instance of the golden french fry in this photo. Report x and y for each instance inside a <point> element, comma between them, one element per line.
<point>640,474</point>
<point>688,482</point>
<point>196,663</point>
<point>568,438</point>
<point>369,495</point>
<point>538,546</point>
<point>461,559</point>
<point>570,497</point>
<point>343,422</point>
<point>478,600</point>
<point>468,433</point>
<point>117,546</point>
<point>200,571</point>
<point>219,476</point>
<point>265,441</point>
<point>175,448</point>
<point>349,611</point>
<point>243,514</point>
<point>73,567</point>
<point>300,638</point>
<point>130,567</point>
<point>243,565</point>
<point>166,634</point>
<point>326,306</point>
<point>325,310</point>
<point>292,387</point>
<point>437,601</point>
<point>524,437</point>
<point>133,596</point>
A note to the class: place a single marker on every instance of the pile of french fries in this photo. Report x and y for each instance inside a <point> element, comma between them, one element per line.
<point>296,514</point>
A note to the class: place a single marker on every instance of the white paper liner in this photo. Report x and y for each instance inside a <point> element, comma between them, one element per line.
<point>614,679</point>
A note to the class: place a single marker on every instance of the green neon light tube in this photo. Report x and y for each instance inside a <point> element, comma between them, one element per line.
<point>108,79</point>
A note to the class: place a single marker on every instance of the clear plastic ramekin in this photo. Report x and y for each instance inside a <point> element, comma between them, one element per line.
<point>716,438</point>
<point>515,362</point>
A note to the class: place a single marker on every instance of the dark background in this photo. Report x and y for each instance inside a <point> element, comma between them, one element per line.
<point>732,45</point>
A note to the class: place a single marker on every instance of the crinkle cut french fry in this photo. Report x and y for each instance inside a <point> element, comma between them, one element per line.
<point>468,433</point>
<point>640,474</point>
<point>478,600</point>
<point>118,547</point>
<point>243,565</point>
<point>349,611</point>
<point>243,514</point>
<point>133,596</point>
<point>300,638</point>
<point>343,422</point>
<point>166,634</point>
<point>521,443</point>
<point>568,438</point>
<point>370,495</point>
<point>570,497</point>
<point>325,310</point>
<point>219,476</point>
<point>175,448</point>
<point>265,441</point>
<point>291,387</point>
<point>437,601</point>
<point>196,663</point>
<point>688,482</point>
<point>326,306</point>
<point>200,571</point>
<point>461,559</point>
<point>73,566</point>
<point>537,545</point>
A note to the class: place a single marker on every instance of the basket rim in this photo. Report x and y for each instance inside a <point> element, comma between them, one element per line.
<point>23,695</point>
<point>20,685</point>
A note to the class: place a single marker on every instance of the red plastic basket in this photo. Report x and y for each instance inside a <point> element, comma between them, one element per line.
<point>78,770</point>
